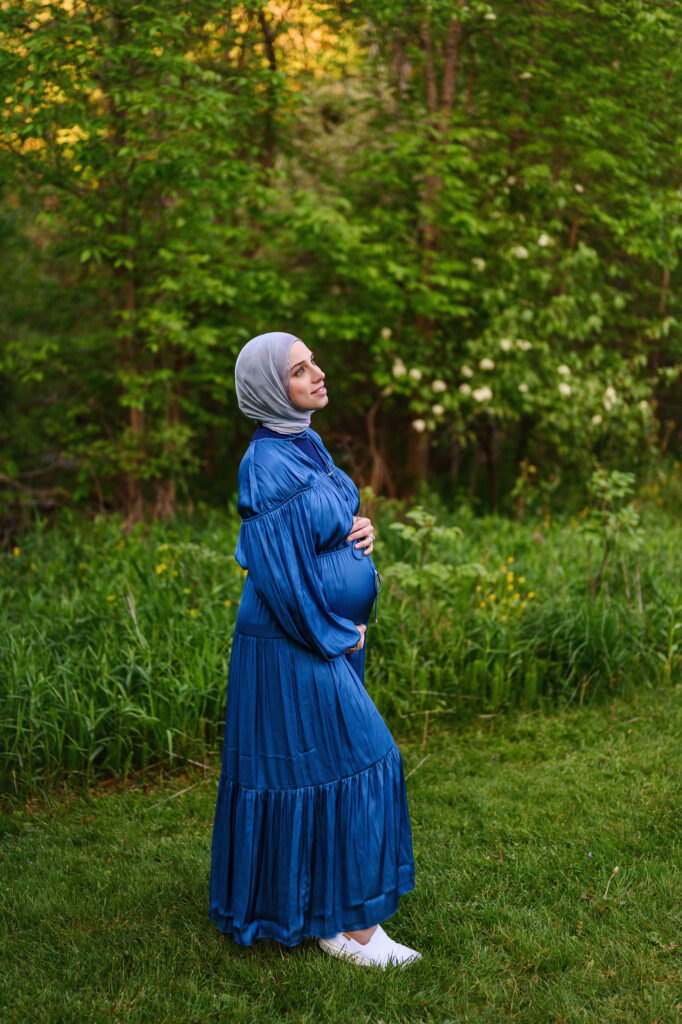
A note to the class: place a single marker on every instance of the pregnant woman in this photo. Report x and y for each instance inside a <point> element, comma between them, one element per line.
<point>312,833</point>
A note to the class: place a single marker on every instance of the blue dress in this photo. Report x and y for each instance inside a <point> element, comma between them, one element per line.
<point>311,833</point>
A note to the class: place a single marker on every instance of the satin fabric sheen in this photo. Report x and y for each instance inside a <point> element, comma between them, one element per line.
<point>311,833</point>
<point>301,441</point>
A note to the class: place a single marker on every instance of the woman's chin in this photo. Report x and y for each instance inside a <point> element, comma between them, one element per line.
<point>316,402</point>
<point>320,402</point>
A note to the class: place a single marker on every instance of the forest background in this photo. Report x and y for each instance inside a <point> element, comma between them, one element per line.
<point>470,211</point>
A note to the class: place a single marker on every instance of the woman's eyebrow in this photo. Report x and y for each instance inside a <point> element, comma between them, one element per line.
<point>301,361</point>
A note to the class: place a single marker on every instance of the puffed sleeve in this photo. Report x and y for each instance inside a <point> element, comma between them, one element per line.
<point>276,547</point>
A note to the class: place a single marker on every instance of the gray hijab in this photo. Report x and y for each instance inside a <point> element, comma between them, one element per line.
<point>261,376</point>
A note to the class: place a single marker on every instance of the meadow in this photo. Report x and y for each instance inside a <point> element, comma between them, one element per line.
<point>114,646</point>
<point>519,822</point>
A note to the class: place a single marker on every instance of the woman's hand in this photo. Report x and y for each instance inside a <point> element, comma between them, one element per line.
<point>361,642</point>
<point>362,531</point>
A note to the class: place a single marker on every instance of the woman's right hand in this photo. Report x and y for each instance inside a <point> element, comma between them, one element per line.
<point>361,642</point>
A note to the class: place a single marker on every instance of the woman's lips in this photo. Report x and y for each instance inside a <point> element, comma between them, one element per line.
<point>320,391</point>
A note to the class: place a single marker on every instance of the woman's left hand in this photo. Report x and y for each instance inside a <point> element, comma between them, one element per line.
<point>362,534</point>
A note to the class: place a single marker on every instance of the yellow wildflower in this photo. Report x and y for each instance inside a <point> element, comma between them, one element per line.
<point>491,597</point>
<point>82,565</point>
<point>482,604</point>
<point>510,586</point>
<point>516,596</point>
<point>504,618</point>
<point>161,567</point>
<point>522,579</point>
<point>111,597</point>
<point>510,560</point>
<point>227,604</point>
<point>510,577</point>
<point>193,612</point>
<point>175,572</point>
<point>16,552</point>
<point>33,565</point>
<point>186,590</point>
<point>478,587</point>
<point>163,547</point>
<point>121,544</point>
<point>530,595</point>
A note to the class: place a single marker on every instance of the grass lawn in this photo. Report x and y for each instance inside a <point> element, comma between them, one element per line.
<point>518,824</point>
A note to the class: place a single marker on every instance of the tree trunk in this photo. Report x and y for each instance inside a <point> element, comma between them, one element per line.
<point>380,473</point>
<point>418,456</point>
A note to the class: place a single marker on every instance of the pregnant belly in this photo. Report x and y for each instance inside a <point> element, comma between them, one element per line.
<point>349,582</point>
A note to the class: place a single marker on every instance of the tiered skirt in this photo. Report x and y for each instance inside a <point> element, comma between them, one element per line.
<point>312,832</point>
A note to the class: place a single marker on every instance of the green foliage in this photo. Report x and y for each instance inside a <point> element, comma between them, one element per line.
<point>114,648</point>
<point>471,213</point>
<point>613,524</point>
<point>137,141</point>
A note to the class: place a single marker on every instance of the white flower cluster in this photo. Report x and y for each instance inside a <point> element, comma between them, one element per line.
<point>419,426</point>
<point>438,409</point>
<point>386,333</point>
<point>519,251</point>
<point>478,264</point>
<point>465,389</point>
<point>439,386</point>
<point>399,368</point>
<point>564,389</point>
<point>544,240</point>
<point>523,388</point>
<point>506,344</point>
<point>610,398</point>
<point>563,370</point>
<point>523,345</point>
<point>483,394</point>
<point>486,364</point>
<point>466,371</point>
<point>415,373</point>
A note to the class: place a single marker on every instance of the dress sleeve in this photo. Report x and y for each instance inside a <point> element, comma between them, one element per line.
<point>276,547</point>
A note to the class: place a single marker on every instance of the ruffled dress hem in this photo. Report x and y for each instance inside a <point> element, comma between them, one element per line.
<point>337,858</point>
<point>375,912</point>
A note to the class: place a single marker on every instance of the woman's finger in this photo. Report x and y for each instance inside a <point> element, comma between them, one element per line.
<point>361,527</point>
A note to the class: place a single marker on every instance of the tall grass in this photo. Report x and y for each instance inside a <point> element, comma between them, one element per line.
<point>114,648</point>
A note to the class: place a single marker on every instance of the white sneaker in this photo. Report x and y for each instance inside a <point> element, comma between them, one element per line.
<point>380,951</point>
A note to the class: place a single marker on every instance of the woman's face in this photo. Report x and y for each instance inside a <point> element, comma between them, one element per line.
<point>306,379</point>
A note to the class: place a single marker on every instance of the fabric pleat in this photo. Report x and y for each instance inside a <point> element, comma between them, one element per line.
<point>315,860</point>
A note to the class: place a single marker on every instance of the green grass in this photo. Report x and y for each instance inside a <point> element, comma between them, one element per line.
<point>114,648</point>
<point>519,821</point>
